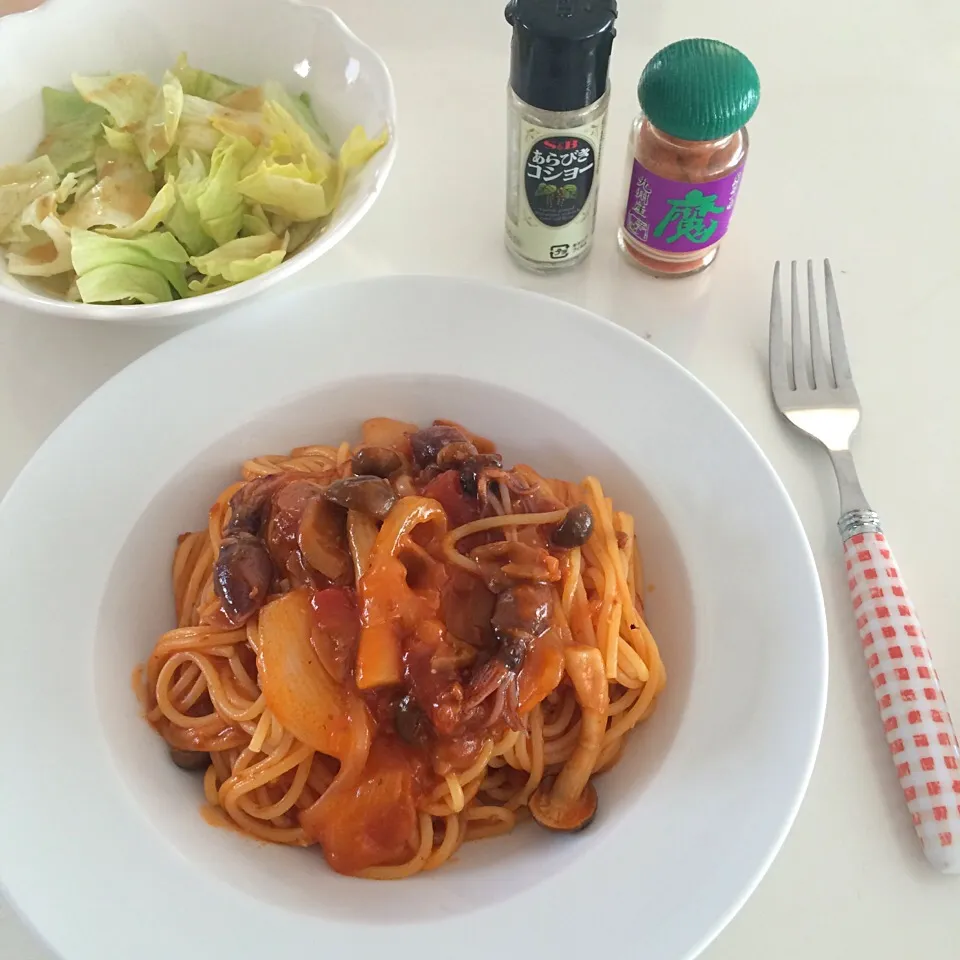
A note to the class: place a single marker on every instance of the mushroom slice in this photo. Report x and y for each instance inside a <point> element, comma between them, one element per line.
<point>376,461</point>
<point>568,816</point>
<point>190,759</point>
<point>570,801</point>
<point>361,536</point>
<point>370,495</point>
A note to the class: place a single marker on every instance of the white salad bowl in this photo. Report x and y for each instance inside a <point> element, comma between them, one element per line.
<point>297,43</point>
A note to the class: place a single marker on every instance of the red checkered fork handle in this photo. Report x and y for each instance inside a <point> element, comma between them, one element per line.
<point>922,739</point>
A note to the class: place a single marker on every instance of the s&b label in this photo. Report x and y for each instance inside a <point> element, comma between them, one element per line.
<point>558,179</point>
<point>551,189</point>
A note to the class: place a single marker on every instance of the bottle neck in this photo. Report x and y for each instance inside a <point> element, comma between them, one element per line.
<point>687,160</point>
<point>558,119</point>
<point>686,146</point>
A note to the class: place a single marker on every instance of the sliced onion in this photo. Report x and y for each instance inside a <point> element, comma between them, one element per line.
<point>297,689</point>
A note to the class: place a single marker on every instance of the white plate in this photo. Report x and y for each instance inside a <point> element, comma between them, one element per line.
<point>102,844</point>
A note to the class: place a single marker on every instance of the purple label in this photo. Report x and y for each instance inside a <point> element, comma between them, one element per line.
<point>679,217</point>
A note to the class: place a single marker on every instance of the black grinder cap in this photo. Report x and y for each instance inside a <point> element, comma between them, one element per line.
<point>560,51</point>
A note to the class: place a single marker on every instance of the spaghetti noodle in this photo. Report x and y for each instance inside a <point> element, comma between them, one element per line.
<point>394,648</point>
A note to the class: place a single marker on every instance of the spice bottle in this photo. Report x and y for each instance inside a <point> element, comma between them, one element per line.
<point>556,112</point>
<point>688,146</point>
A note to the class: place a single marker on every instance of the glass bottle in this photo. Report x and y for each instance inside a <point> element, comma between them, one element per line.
<point>688,146</point>
<point>556,116</point>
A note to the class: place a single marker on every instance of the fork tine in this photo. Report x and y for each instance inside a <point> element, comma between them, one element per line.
<point>800,370</point>
<point>821,377</point>
<point>838,348</point>
<point>778,359</point>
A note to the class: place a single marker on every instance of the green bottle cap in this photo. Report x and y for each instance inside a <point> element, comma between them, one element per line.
<point>699,90</point>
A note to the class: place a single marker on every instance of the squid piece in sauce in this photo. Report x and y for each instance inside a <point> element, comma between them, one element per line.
<point>390,607</point>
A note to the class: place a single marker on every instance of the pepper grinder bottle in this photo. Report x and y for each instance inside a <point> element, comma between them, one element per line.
<point>556,113</point>
<point>688,146</point>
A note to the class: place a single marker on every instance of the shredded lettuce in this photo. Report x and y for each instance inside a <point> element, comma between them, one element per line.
<point>74,185</point>
<point>71,127</point>
<point>183,220</point>
<point>21,183</point>
<point>358,148</point>
<point>203,123</point>
<point>199,83</point>
<point>300,233</point>
<point>160,208</point>
<point>156,252</point>
<point>256,222</point>
<point>145,192</point>
<point>119,282</point>
<point>219,202</point>
<point>120,140</point>
<point>290,174</point>
<point>125,168</point>
<point>247,100</point>
<point>299,109</point>
<point>50,255</point>
<point>127,97</point>
<point>154,136</point>
<point>122,195</point>
<point>242,258</point>
<point>196,130</point>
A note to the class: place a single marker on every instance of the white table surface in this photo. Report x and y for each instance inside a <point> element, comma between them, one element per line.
<point>855,156</point>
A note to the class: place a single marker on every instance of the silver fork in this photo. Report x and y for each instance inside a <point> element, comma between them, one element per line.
<point>813,388</point>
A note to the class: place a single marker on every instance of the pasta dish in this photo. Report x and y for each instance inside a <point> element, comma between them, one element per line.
<point>391,648</point>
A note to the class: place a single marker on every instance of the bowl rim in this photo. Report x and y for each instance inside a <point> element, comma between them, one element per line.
<point>417,290</point>
<point>175,310</point>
